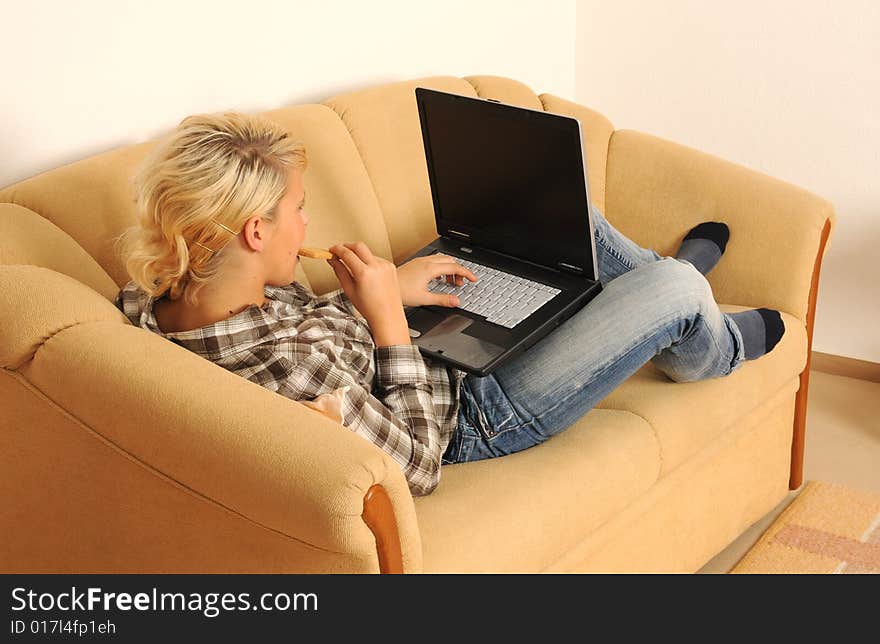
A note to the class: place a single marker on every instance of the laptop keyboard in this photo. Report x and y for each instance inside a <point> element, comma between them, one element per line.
<point>502,298</point>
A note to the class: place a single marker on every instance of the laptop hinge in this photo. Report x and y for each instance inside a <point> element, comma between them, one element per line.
<point>458,234</point>
<point>569,268</point>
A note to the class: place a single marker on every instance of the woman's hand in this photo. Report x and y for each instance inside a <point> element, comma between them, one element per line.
<point>414,276</point>
<point>370,283</point>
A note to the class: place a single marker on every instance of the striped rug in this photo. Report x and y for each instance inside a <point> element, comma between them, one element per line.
<point>828,528</point>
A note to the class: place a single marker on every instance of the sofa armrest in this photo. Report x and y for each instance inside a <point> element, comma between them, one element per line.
<point>271,460</point>
<point>658,190</point>
<point>265,457</point>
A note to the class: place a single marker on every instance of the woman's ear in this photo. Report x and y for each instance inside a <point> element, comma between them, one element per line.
<point>254,233</point>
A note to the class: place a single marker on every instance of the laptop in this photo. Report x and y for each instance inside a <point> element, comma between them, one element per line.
<point>512,204</point>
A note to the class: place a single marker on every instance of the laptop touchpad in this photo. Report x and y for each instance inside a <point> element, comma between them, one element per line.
<point>450,325</point>
<point>451,334</point>
<point>423,320</point>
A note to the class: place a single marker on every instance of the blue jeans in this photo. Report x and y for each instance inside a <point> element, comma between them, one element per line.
<point>651,308</point>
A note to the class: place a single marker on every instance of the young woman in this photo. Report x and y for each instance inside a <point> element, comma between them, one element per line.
<point>221,219</point>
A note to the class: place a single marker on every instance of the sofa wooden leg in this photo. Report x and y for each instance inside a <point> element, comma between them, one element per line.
<point>379,516</point>
<point>796,477</point>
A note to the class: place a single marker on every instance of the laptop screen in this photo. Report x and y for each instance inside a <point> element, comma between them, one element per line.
<point>507,179</point>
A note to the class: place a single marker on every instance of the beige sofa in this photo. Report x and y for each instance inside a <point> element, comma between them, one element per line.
<point>123,452</point>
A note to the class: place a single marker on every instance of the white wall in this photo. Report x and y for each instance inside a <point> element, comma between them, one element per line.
<point>86,76</point>
<point>790,88</point>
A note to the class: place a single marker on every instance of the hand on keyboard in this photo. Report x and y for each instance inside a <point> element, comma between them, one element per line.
<point>415,277</point>
<point>502,298</point>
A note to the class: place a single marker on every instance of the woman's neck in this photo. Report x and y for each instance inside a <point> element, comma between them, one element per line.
<point>214,305</point>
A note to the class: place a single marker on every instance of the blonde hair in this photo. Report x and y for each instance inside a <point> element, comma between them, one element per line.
<point>195,190</point>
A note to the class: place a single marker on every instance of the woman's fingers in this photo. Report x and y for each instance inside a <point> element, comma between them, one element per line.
<point>363,251</point>
<point>352,259</point>
<point>342,273</point>
<point>450,269</point>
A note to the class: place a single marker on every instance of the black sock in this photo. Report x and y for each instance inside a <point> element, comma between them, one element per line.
<point>704,245</point>
<point>761,330</point>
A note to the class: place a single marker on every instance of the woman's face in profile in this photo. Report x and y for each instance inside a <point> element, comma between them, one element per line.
<point>289,232</point>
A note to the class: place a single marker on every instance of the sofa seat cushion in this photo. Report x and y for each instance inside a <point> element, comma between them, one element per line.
<point>521,512</point>
<point>687,416</point>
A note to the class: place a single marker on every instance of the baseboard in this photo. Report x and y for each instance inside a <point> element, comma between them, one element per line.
<point>843,366</point>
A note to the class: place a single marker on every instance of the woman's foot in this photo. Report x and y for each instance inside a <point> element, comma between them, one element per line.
<point>761,330</point>
<point>704,245</point>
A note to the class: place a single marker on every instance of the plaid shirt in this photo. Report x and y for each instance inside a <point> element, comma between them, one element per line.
<point>303,345</point>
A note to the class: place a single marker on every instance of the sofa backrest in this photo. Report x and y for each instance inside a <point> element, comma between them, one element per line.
<point>367,180</point>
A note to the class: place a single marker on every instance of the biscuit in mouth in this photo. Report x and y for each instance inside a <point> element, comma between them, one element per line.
<point>315,253</point>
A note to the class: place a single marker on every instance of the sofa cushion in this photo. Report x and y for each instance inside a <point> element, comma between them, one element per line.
<point>28,238</point>
<point>91,200</point>
<point>521,512</point>
<point>384,123</point>
<point>688,516</point>
<point>506,90</point>
<point>687,416</point>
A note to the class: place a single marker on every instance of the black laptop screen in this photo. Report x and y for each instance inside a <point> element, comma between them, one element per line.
<point>511,179</point>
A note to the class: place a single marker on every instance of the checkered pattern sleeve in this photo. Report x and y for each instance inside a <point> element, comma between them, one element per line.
<point>399,418</point>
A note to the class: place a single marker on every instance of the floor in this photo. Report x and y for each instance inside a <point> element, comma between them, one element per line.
<point>842,446</point>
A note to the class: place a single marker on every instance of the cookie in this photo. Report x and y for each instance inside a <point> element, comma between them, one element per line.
<point>315,253</point>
